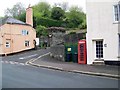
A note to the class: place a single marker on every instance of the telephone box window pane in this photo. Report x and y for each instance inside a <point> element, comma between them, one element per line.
<point>82,52</point>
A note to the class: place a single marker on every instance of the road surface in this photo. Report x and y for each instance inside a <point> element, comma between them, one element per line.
<point>24,76</point>
<point>16,74</point>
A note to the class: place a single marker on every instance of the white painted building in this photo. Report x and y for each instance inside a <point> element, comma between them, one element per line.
<point>103,31</point>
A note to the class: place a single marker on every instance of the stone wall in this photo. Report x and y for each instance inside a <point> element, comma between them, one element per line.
<point>57,38</point>
<point>58,52</point>
<point>74,38</point>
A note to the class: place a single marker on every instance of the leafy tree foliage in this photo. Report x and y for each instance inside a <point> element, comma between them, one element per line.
<point>57,13</point>
<point>47,22</point>
<point>74,17</point>
<point>41,31</point>
<point>42,9</point>
<point>22,17</point>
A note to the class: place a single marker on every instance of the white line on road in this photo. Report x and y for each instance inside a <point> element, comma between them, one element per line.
<point>6,62</point>
<point>21,63</point>
<point>26,57</point>
<point>11,62</point>
<point>16,62</point>
<point>41,56</point>
<point>32,60</point>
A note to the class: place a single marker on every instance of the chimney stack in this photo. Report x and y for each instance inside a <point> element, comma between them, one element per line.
<point>29,15</point>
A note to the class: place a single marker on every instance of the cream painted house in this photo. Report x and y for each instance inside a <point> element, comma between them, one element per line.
<point>103,31</point>
<point>15,35</point>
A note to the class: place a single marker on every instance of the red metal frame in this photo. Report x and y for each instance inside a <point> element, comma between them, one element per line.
<point>82,52</point>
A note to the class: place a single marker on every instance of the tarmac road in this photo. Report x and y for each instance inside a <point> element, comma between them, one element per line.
<point>25,56</point>
<point>25,76</point>
<point>16,74</point>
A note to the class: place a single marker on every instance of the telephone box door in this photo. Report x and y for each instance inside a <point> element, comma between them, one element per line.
<point>82,53</point>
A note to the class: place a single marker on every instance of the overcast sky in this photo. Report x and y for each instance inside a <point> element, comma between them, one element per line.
<point>9,3</point>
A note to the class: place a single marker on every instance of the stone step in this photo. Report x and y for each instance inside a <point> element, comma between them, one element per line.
<point>99,62</point>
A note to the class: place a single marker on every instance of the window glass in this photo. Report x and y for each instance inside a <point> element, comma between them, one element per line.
<point>99,49</point>
<point>7,44</point>
<point>119,11</point>
<point>27,43</point>
<point>116,12</point>
<point>119,44</point>
<point>25,32</point>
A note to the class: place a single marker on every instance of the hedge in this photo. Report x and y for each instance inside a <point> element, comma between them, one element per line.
<point>49,22</point>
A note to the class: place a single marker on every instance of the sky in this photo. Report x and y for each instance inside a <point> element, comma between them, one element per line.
<point>9,3</point>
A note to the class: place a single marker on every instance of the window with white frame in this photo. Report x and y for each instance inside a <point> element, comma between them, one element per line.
<point>27,43</point>
<point>25,32</point>
<point>99,49</point>
<point>7,45</point>
<point>117,12</point>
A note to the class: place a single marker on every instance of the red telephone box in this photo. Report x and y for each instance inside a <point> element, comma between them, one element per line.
<point>82,52</point>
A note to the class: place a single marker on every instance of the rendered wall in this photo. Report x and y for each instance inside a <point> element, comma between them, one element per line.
<point>13,33</point>
<point>101,25</point>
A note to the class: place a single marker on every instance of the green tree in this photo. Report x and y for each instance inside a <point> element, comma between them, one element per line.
<point>83,25</point>
<point>16,10</point>
<point>42,9</point>
<point>74,17</point>
<point>22,17</point>
<point>57,13</point>
<point>41,31</point>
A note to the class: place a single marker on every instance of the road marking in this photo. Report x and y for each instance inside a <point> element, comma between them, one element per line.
<point>6,62</point>
<point>26,57</point>
<point>16,62</point>
<point>33,60</point>
<point>13,63</point>
<point>21,63</point>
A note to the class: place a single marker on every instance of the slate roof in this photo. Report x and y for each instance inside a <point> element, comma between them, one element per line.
<point>10,20</point>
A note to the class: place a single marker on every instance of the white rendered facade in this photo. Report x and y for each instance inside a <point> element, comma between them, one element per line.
<point>103,29</point>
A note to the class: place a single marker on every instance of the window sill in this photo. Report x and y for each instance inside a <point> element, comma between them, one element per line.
<point>117,22</point>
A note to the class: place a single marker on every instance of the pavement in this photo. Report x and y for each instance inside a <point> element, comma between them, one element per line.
<point>45,61</point>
